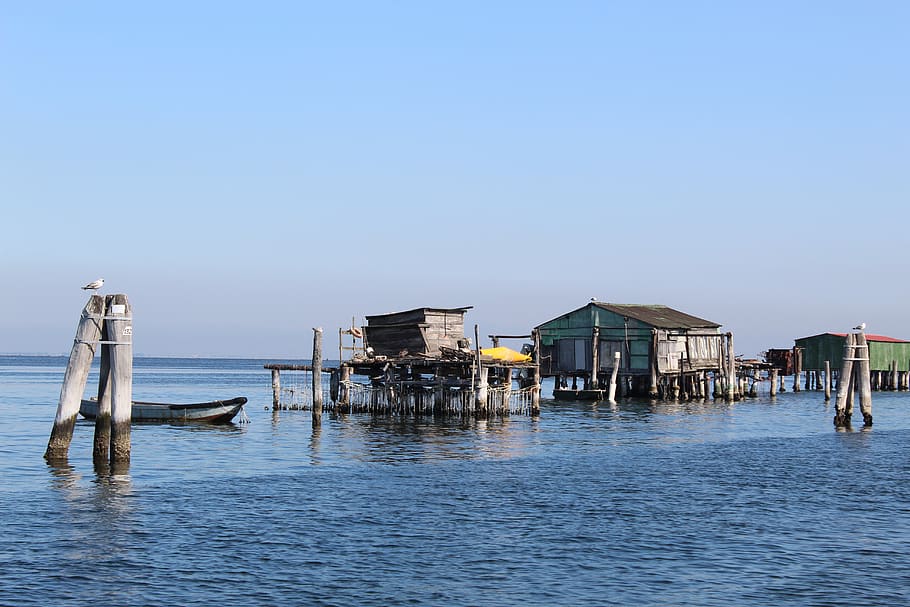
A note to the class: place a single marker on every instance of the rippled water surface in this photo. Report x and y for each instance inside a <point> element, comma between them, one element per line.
<point>757,503</point>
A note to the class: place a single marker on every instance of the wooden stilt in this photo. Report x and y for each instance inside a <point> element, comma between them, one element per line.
<point>827,381</point>
<point>595,357</point>
<point>88,333</point>
<point>796,368</point>
<point>616,361</point>
<point>773,382</point>
<point>731,370</point>
<point>344,391</point>
<point>119,325</point>
<point>653,390</point>
<point>317,377</point>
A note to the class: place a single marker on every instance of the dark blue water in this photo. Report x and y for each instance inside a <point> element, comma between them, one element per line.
<point>757,503</point>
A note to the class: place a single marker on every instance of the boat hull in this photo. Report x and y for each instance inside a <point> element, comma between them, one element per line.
<point>568,394</point>
<point>214,412</point>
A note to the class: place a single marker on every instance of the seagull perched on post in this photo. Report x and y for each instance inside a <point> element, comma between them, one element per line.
<point>94,285</point>
<point>860,327</point>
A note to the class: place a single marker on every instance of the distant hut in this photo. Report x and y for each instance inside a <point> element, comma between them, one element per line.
<point>658,347</point>
<point>889,357</point>
<point>780,359</point>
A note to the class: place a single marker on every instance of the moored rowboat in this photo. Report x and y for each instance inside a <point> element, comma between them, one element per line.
<point>216,411</point>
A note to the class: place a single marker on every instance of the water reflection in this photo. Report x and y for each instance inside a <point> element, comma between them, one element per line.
<point>391,439</point>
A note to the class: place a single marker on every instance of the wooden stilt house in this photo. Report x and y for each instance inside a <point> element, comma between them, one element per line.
<point>660,350</point>
<point>889,358</point>
<point>420,361</point>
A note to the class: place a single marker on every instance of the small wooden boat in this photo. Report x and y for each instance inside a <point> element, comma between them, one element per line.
<point>214,412</point>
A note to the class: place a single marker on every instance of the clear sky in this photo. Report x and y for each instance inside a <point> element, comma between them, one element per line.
<point>246,171</point>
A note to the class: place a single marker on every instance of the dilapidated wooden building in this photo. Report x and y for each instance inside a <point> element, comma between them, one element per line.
<point>657,345</point>
<point>418,332</point>
<point>420,361</point>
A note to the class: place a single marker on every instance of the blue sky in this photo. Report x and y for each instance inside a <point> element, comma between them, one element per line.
<point>245,172</point>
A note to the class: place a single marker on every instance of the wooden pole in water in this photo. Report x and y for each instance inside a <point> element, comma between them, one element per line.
<point>863,380</point>
<point>480,394</point>
<point>317,376</point>
<point>535,376</point>
<point>773,382</point>
<point>827,381</point>
<point>119,325</point>
<point>796,369</point>
<point>653,391</point>
<point>841,416</point>
<point>88,333</point>
<point>595,357</point>
<point>101,451</point>
<point>276,389</point>
<point>731,369</point>
<point>344,393</point>
<point>616,360</point>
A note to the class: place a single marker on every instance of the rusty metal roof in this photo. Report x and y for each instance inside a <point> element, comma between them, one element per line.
<point>658,316</point>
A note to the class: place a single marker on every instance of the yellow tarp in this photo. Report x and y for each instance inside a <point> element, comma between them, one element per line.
<point>506,354</point>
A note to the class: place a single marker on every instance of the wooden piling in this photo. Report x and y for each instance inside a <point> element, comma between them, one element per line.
<point>317,376</point>
<point>796,369</point>
<point>595,357</point>
<point>119,325</point>
<point>863,380</point>
<point>344,392</point>
<point>88,334</point>
<point>653,390</point>
<point>276,389</point>
<point>827,381</point>
<point>773,386</point>
<point>101,450</point>
<point>535,376</point>
<point>841,413</point>
<point>731,369</point>
<point>616,361</point>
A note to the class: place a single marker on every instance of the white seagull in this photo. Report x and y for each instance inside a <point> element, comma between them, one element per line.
<point>94,285</point>
<point>860,327</point>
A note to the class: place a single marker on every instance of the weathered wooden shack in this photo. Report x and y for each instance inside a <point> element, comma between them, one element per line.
<point>420,361</point>
<point>780,359</point>
<point>889,357</point>
<point>660,349</point>
<point>418,332</point>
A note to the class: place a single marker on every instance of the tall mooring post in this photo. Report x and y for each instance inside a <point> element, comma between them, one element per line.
<point>88,333</point>
<point>106,322</point>
<point>101,451</point>
<point>118,325</point>
<point>317,377</point>
<point>854,376</point>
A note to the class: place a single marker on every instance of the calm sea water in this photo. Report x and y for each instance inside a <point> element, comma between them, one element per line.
<point>757,503</point>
